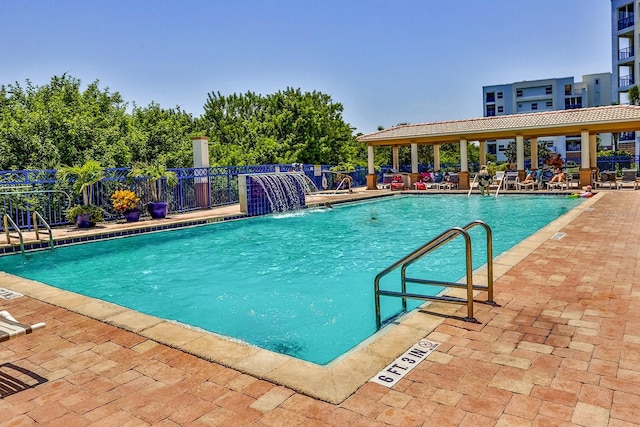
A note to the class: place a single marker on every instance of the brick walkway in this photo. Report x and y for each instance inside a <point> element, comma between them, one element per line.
<point>562,349</point>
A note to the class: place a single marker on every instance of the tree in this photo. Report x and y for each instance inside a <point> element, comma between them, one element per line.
<point>634,95</point>
<point>286,127</point>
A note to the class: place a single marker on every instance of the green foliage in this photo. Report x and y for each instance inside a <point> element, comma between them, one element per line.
<point>511,150</point>
<point>634,95</point>
<point>83,178</point>
<point>154,173</point>
<point>286,127</point>
<point>95,213</point>
<point>614,153</point>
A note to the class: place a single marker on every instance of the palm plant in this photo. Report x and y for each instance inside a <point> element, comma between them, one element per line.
<point>83,179</point>
<point>154,173</point>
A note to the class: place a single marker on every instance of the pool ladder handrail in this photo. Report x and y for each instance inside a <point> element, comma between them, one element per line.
<point>475,178</point>
<point>36,216</point>
<point>6,221</point>
<point>425,249</point>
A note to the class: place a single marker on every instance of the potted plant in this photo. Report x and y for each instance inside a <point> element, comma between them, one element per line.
<point>83,179</point>
<point>126,203</point>
<point>155,173</point>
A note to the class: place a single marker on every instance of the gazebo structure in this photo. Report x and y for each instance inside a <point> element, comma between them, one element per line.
<point>587,122</point>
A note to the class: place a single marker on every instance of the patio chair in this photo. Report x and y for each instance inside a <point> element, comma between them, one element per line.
<point>606,178</point>
<point>510,179</point>
<point>525,185</point>
<point>629,177</point>
<point>10,328</point>
<point>397,183</point>
<point>452,182</point>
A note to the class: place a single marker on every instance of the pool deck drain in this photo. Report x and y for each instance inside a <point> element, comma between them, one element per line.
<point>560,347</point>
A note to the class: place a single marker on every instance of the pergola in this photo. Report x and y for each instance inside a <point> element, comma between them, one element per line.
<point>586,122</point>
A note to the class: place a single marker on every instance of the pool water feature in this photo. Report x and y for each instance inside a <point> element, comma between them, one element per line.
<point>299,283</point>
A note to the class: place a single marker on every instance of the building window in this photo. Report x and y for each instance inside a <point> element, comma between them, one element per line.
<point>500,109</point>
<point>548,90</point>
<point>499,95</point>
<point>519,92</point>
<point>534,106</point>
<point>572,102</point>
<point>491,97</point>
<point>567,89</point>
<point>501,148</point>
<point>550,104</point>
<point>574,145</point>
<point>491,110</point>
<point>597,81</point>
<point>491,149</point>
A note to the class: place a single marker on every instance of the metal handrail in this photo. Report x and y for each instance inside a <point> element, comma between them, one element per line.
<point>428,247</point>
<point>475,178</point>
<point>500,184</point>
<point>6,220</point>
<point>36,215</point>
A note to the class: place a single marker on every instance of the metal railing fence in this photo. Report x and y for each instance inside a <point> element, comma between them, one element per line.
<point>25,191</point>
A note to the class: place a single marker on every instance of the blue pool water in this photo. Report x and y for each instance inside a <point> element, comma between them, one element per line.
<point>298,283</point>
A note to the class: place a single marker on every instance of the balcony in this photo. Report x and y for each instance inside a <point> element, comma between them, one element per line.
<point>572,106</point>
<point>625,22</point>
<point>626,81</point>
<point>625,53</point>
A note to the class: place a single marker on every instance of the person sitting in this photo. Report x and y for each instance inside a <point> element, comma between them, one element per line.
<point>530,176</point>
<point>558,176</point>
<point>484,180</point>
<point>586,191</point>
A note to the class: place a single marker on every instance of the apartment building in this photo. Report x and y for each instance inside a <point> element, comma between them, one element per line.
<point>547,95</point>
<point>624,62</point>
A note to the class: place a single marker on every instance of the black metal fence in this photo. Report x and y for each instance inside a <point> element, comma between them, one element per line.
<point>25,191</point>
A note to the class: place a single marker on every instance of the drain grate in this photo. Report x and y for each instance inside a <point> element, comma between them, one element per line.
<point>7,294</point>
<point>558,236</point>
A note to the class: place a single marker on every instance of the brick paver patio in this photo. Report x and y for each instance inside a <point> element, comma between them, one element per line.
<point>563,348</point>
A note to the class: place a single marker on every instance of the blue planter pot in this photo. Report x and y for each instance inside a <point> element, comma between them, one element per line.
<point>84,221</point>
<point>157,209</point>
<point>132,215</point>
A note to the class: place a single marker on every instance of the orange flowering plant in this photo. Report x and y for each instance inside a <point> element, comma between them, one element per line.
<point>124,200</point>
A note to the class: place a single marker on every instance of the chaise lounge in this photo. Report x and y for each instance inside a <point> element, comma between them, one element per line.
<point>11,328</point>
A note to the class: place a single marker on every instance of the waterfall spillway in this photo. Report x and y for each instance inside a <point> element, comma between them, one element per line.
<point>272,192</point>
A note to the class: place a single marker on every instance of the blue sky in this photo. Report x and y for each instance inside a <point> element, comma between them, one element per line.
<point>385,61</point>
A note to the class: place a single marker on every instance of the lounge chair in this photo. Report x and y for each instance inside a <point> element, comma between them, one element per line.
<point>10,328</point>
<point>452,182</point>
<point>525,185</point>
<point>397,183</point>
<point>629,177</point>
<point>606,178</point>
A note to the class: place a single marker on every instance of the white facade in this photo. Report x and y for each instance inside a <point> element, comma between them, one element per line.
<point>547,95</point>
<point>624,61</point>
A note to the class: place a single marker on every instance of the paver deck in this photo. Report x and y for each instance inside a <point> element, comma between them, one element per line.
<point>563,348</point>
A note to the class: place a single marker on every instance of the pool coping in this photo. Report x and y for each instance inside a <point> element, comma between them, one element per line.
<point>333,382</point>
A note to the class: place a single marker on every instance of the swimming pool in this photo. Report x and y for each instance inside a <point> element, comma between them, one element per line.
<point>299,284</point>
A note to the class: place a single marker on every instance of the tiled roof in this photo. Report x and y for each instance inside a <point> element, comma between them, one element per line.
<point>539,123</point>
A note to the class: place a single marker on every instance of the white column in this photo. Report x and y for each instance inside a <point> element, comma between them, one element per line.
<point>464,164</point>
<point>200,151</point>
<point>519,152</point>
<point>534,153</point>
<point>414,158</point>
<point>593,151</point>
<point>436,157</point>
<point>394,151</point>
<point>585,163</point>
<point>370,160</point>
<point>483,152</point>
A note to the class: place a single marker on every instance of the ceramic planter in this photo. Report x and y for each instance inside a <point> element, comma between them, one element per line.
<point>157,209</point>
<point>132,215</point>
